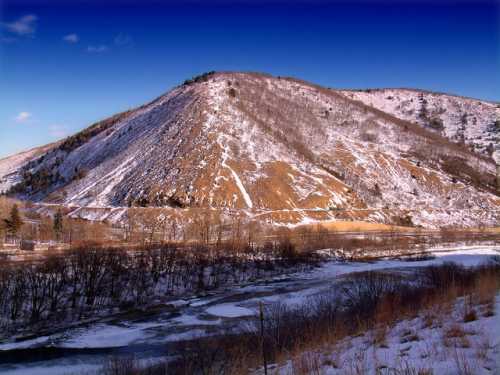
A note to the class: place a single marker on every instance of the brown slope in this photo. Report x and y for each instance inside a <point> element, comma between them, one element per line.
<point>274,147</point>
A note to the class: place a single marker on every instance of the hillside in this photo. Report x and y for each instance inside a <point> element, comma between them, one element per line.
<point>472,122</point>
<point>281,150</point>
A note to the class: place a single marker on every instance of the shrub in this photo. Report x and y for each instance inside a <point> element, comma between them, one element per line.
<point>436,123</point>
<point>470,316</point>
<point>363,293</point>
<point>403,221</point>
<point>368,137</point>
<point>496,126</point>
<point>80,173</point>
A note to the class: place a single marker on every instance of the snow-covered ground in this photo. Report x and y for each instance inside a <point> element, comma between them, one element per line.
<point>213,313</point>
<point>445,345</point>
<point>461,119</point>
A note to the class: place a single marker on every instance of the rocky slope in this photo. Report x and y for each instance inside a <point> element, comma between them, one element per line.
<point>278,149</point>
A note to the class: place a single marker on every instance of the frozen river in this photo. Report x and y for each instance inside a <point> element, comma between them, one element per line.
<point>147,336</point>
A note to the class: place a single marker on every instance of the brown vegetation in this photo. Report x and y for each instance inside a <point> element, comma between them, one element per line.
<point>301,333</point>
<point>90,279</point>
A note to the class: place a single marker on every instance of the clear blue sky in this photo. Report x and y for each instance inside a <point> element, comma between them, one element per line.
<point>66,64</point>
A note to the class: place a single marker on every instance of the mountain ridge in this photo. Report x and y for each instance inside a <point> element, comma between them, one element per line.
<point>419,90</point>
<point>253,142</point>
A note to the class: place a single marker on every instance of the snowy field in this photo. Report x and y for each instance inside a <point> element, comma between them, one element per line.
<point>427,343</point>
<point>84,348</point>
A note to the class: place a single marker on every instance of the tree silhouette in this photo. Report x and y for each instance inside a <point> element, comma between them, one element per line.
<point>14,222</point>
<point>58,224</point>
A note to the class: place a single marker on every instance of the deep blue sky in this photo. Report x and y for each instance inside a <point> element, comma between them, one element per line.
<point>125,53</point>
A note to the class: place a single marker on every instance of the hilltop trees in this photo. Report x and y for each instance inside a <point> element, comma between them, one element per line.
<point>199,78</point>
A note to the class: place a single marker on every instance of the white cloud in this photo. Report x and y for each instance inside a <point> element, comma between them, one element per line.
<point>97,49</point>
<point>123,40</point>
<point>58,131</point>
<point>22,117</point>
<point>71,38</point>
<point>24,26</point>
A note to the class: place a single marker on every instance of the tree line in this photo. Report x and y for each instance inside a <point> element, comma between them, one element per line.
<point>91,280</point>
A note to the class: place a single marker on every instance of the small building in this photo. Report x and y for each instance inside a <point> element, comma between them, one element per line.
<point>27,245</point>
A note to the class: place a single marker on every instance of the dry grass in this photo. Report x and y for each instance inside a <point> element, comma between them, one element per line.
<point>469,309</point>
<point>455,336</point>
<point>470,316</point>
<point>463,365</point>
<point>308,363</point>
<point>357,226</point>
<point>371,303</point>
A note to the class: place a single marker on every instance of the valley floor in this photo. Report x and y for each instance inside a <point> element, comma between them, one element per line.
<point>148,335</point>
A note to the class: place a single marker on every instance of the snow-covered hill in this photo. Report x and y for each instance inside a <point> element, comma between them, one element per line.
<point>265,145</point>
<point>473,122</point>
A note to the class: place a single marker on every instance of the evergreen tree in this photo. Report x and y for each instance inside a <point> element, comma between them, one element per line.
<point>14,222</point>
<point>58,224</point>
